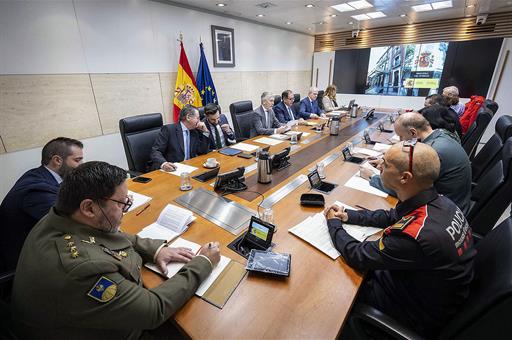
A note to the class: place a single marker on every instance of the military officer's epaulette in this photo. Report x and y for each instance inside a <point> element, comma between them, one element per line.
<point>400,225</point>
<point>410,224</point>
<point>70,251</point>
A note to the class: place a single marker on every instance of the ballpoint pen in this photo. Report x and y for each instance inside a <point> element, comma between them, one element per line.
<point>140,212</point>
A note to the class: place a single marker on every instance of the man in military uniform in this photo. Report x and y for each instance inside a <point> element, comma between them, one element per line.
<point>421,267</point>
<point>79,277</point>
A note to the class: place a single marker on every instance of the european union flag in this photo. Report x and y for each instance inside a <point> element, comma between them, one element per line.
<point>204,81</point>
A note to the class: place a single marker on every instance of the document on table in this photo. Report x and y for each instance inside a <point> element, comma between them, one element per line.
<point>367,152</point>
<point>304,134</point>
<point>172,222</point>
<point>268,141</point>
<point>361,184</point>
<point>358,232</point>
<point>244,147</point>
<point>381,147</point>
<point>373,169</point>
<point>181,168</point>
<point>280,136</point>
<point>138,200</point>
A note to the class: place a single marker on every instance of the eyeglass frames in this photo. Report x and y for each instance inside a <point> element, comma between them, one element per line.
<point>126,205</point>
<point>410,144</point>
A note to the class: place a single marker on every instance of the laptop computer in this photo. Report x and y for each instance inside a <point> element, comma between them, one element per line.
<point>349,107</point>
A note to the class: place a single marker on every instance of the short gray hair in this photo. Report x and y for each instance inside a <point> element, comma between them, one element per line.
<point>452,90</point>
<point>266,96</point>
<point>188,111</point>
<point>313,89</point>
<point>413,120</point>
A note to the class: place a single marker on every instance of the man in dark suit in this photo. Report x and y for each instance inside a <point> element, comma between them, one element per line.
<point>309,108</point>
<point>181,141</point>
<point>265,121</point>
<point>284,110</point>
<point>33,195</point>
<point>221,134</point>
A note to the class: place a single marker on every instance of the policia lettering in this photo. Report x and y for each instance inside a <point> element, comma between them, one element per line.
<point>459,231</point>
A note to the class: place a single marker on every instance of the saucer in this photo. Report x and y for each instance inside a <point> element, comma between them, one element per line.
<point>210,167</point>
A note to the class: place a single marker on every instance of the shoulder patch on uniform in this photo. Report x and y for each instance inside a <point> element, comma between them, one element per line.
<point>103,290</point>
<point>403,223</point>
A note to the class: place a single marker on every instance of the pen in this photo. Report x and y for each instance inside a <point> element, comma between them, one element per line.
<point>140,212</point>
<point>361,207</point>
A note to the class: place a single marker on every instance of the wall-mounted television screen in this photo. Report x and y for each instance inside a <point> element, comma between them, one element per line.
<point>406,70</point>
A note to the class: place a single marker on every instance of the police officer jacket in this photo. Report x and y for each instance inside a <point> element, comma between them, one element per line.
<point>422,265</point>
<point>77,282</point>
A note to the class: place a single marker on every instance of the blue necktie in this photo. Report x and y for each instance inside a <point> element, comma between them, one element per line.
<point>186,142</point>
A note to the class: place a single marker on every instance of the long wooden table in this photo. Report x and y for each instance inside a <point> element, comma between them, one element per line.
<point>315,300</point>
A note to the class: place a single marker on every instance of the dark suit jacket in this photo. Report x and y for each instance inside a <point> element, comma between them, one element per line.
<point>282,112</point>
<point>30,198</point>
<point>307,108</point>
<point>169,146</point>
<point>258,124</point>
<point>228,137</point>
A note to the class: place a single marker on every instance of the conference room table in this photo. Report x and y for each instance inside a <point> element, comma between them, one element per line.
<point>315,300</point>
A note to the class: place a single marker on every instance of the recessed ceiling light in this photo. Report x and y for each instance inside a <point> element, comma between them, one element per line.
<point>361,17</point>
<point>289,22</point>
<point>333,15</point>
<point>375,15</point>
<point>343,8</point>
<point>360,4</point>
<point>221,5</point>
<point>442,4</point>
<point>260,15</point>
<point>310,5</point>
<point>403,15</point>
<point>470,6</point>
<point>422,8</point>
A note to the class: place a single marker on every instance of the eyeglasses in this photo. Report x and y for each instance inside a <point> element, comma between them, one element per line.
<point>410,144</point>
<point>126,205</point>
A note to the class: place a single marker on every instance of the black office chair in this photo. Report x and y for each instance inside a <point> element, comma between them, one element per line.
<point>138,134</point>
<point>484,315</point>
<point>296,97</point>
<point>277,99</point>
<point>6,324</point>
<point>491,151</point>
<point>242,114</point>
<point>476,130</point>
<point>319,99</point>
<point>492,196</point>
<point>491,105</point>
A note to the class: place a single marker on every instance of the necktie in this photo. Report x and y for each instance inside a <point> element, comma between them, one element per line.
<point>291,114</point>
<point>187,144</point>
<point>266,120</point>
<point>218,142</point>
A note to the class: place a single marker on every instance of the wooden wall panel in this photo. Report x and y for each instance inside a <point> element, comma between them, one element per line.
<point>459,29</point>
<point>124,95</point>
<point>37,108</point>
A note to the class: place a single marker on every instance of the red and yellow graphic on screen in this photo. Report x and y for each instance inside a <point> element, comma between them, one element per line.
<point>185,91</point>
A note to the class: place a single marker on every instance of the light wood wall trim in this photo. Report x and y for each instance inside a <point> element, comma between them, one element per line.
<point>458,29</point>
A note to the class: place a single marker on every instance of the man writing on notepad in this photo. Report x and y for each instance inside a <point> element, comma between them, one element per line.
<point>420,269</point>
<point>79,274</point>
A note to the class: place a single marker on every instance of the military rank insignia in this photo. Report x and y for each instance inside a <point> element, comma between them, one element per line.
<point>103,290</point>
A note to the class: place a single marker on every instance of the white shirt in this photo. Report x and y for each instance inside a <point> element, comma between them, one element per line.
<point>54,174</point>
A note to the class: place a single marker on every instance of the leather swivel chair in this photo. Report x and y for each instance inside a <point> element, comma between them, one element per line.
<point>277,99</point>
<point>485,313</point>
<point>296,97</point>
<point>492,196</point>
<point>319,99</point>
<point>139,134</point>
<point>491,151</point>
<point>242,115</point>
<point>476,130</point>
<point>491,105</point>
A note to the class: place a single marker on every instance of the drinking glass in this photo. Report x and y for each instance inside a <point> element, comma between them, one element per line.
<point>185,181</point>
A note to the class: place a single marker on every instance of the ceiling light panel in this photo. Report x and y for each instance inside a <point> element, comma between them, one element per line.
<point>376,15</point>
<point>361,17</point>
<point>442,4</point>
<point>343,8</point>
<point>422,8</point>
<point>360,4</point>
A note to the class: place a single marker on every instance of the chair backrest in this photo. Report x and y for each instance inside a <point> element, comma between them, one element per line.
<point>239,112</point>
<point>491,151</point>
<point>491,105</point>
<point>277,99</point>
<point>296,106</point>
<point>296,97</point>
<point>486,312</point>
<point>319,99</point>
<point>476,130</point>
<point>491,197</point>
<point>138,134</point>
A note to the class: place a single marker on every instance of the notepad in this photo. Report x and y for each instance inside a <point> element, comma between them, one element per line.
<point>172,222</point>
<point>138,200</point>
<point>245,147</point>
<point>181,168</point>
<point>280,136</point>
<point>304,134</point>
<point>361,184</point>
<point>268,141</point>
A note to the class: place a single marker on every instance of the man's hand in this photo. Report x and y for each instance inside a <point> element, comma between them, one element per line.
<point>377,163</point>
<point>226,128</point>
<point>365,173</point>
<point>168,166</point>
<point>201,127</point>
<point>323,115</point>
<point>167,255</point>
<point>335,211</point>
<point>211,251</point>
<point>281,129</point>
<point>313,116</point>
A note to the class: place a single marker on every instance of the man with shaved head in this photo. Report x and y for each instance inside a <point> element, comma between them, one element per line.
<point>455,174</point>
<point>420,269</point>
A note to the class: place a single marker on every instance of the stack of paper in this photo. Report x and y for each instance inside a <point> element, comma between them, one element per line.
<point>381,147</point>
<point>361,184</point>
<point>174,267</point>
<point>244,147</point>
<point>181,168</point>
<point>172,222</point>
<point>138,200</point>
<point>367,152</point>
<point>268,141</point>
<point>280,136</point>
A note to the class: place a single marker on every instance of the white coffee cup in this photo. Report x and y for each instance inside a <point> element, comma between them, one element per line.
<point>211,162</point>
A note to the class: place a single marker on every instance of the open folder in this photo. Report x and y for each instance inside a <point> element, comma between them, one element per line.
<point>216,288</point>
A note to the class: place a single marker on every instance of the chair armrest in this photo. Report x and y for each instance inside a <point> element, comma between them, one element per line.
<point>363,314</point>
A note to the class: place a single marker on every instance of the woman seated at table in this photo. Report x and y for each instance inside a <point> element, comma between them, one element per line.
<point>329,99</point>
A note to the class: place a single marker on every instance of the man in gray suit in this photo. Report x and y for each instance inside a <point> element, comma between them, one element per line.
<point>265,121</point>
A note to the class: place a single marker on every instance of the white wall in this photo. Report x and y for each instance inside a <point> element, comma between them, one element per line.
<point>320,75</point>
<point>380,101</point>
<point>118,36</point>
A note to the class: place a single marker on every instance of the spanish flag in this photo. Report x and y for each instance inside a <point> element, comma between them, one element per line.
<point>185,91</point>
